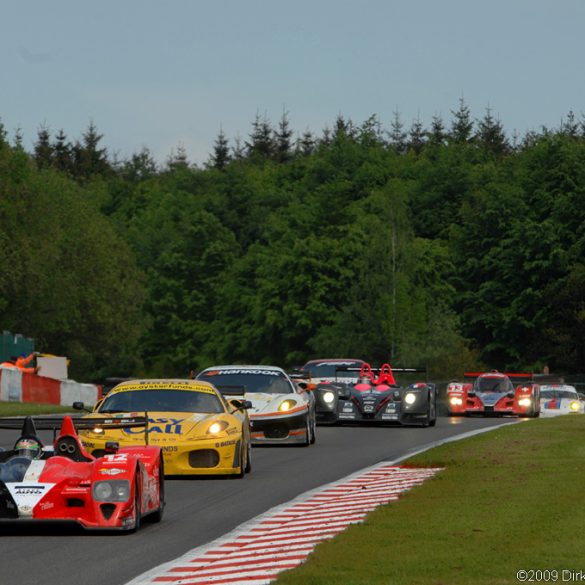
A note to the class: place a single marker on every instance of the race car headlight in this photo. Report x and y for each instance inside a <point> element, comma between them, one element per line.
<point>456,401</point>
<point>524,402</point>
<point>575,406</point>
<point>98,430</point>
<point>217,427</point>
<point>111,491</point>
<point>286,405</point>
<point>328,397</point>
<point>410,398</point>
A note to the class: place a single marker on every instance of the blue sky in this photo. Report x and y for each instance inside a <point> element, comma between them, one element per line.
<point>164,73</point>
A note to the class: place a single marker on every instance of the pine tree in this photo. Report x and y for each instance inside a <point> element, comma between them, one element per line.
<point>341,128</point>
<point>221,152</point>
<point>416,136</point>
<point>178,160</point>
<point>306,143</point>
<point>238,151</point>
<point>2,134</point>
<point>261,144</point>
<point>397,134</point>
<point>370,133</point>
<point>462,125</point>
<point>283,139</point>
<point>570,126</point>
<point>437,134</point>
<point>90,160</point>
<point>490,134</point>
<point>18,139</point>
<point>140,167</point>
<point>62,153</point>
<point>43,151</point>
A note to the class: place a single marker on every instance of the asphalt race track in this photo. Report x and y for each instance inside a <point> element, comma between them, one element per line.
<point>200,510</point>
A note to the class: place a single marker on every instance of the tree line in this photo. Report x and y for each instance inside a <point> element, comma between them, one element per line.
<point>452,246</point>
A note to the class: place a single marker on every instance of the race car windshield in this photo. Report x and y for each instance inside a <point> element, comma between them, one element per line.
<point>162,400</point>
<point>559,393</point>
<point>267,381</point>
<point>491,385</point>
<point>332,370</point>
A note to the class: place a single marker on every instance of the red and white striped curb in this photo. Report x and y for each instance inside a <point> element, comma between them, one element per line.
<point>283,538</point>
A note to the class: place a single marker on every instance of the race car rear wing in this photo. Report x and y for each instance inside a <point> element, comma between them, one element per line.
<point>512,375</point>
<point>231,390</point>
<point>516,378</point>
<point>54,423</point>
<point>385,372</point>
<point>377,370</point>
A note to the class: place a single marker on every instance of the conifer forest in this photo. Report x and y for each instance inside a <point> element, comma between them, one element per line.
<point>455,245</point>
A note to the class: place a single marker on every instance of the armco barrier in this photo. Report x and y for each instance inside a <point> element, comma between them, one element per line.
<point>17,386</point>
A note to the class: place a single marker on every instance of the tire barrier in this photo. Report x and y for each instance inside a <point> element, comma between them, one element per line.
<point>17,386</point>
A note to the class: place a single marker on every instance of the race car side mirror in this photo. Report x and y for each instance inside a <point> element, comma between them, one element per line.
<point>471,394</point>
<point>510,395</point>
<point>80,406</point>
<point>241,404</point>
<point>112,446</point>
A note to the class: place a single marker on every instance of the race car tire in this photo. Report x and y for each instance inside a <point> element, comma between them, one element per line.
<point>136,514</point>
<point>307,440</point>
<point>433,420</point>
<point>242,467</point>
<point>248,467</point>
<point>430,419</point>
<point>157,515</point>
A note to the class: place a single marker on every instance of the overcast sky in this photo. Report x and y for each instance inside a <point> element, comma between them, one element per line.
<point>164,73</point>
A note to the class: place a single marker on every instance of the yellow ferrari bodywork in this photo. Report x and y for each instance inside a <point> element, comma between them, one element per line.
<point>193,443</point>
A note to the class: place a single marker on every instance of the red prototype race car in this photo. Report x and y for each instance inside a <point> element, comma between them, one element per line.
<point>65,483</point>
<point>494,394</point>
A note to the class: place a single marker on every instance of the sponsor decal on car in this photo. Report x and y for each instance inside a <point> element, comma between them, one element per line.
<point>115,458</point>
<point>111,471</point>
<point>26,490</point>
<point>243,371</point>
<point>225,444</point>
<point>188,386</point>
<point>167,426</point>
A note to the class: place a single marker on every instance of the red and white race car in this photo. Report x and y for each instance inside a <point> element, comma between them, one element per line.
<point>65,483</point>
<point>494,394</point>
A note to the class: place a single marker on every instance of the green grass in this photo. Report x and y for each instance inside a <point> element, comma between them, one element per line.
<point>507,500</point>
<point>26,408</point>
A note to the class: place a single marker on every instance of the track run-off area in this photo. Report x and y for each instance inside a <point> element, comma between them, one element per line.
<point>201,510</point>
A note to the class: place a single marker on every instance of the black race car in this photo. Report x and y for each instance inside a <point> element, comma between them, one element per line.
<point>350,390</point>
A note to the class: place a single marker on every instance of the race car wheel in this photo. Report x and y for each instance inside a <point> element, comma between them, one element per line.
<point>136,514</point>
<point>433,414</point>
<point>307,440</point>
<point>248,467</point>
<point>431,417</point>
<point>157,516</point>
<point>314,431</point>
<point>242,466</point>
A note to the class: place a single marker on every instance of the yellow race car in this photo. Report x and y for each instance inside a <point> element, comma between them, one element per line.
<point>198,430</point>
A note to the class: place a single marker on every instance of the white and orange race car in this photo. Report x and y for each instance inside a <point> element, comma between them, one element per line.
<point>494,394</point>
<point>281,412</point>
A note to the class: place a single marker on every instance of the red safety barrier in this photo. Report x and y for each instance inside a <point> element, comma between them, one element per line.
<point>40,389</point>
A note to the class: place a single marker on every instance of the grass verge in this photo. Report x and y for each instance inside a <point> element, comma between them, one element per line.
<point>507,500</point>
<point>26,408</point>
